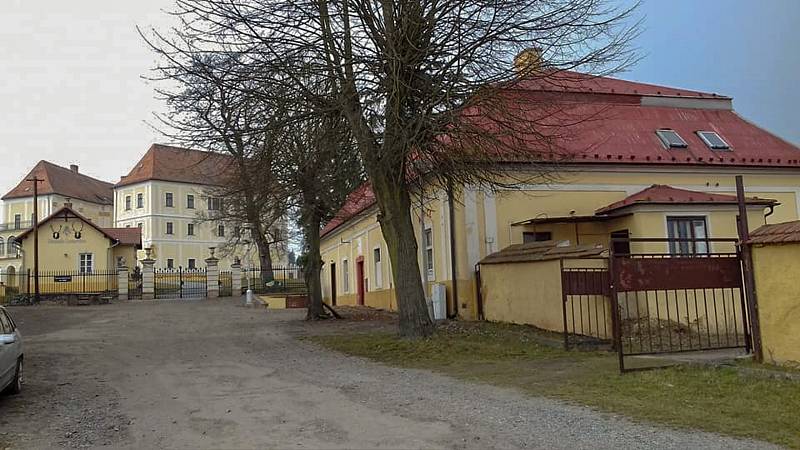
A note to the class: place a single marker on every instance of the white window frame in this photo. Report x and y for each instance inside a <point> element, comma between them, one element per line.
<point>170,229</point>
<point>139,200</point>
<point>220,230</point>
<point>191,264</point>
<point>698,247</point>
<point>189,201</point>
<point>170,263</point>
<point>345,276</point>
<point>169,200</point>
<point>666,142</point>
<point>128,203</point>
<point>430,265</point>
<point>190,229</point>
<point>377,264</point>
<point>86,262</point>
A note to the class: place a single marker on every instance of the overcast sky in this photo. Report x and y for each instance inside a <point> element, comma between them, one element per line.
<point>71,88</point>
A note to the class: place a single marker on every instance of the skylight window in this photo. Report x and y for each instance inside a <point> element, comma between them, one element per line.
<point>713,140</point>
<point>671,138</point>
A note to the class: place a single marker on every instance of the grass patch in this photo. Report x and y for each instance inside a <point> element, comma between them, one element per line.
<point>720,400</point>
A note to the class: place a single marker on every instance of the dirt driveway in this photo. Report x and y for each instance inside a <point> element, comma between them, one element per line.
<point>212,374</point>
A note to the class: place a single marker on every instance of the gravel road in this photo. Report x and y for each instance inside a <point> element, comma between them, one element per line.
<point>212,374</point>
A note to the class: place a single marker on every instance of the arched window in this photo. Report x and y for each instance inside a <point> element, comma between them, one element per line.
<point>11,246</point>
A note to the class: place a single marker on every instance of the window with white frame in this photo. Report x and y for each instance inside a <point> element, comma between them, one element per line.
<point>127,203</point>
<point>17,221</point>
<point>170,263</point>
<point>140,200</point>
<point>190,201</point>
<point>168,200</point>
<point>190,229</point>
<point>2,247</point>
<point>345,276</point>
<point>169,228</point>
<point>214,204</point>
<point>427,243</point>
<point>86,263</point>
<point>687,235</point>
<point>378,266</point>
<point>221,230</point>
<point>192,263</point>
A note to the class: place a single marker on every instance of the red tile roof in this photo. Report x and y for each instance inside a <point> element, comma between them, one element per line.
<point>125,236</point>
<point>62,181</point>
<point>182,165</point>
<point>568,81</point>
<point>358,201</point>
<point>603,121</point>
<point>778,233</point>
<point>659,194</point>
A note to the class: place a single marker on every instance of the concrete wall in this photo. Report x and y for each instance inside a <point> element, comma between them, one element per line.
<point>777,269</point>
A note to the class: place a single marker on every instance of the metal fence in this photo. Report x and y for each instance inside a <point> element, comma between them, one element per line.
<point>586,305</point>
<point>53,283</point>
<point>278,279</point>
<point>225,283</point>
<point>180,283</point>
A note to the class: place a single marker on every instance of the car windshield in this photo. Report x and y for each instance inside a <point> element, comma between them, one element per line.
<point>5,324</point>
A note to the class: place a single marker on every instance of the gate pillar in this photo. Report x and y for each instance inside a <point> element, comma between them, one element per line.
<point>212,274</point>
<point>236,278</point>
<point>148,279</point>
<point>122,282</point>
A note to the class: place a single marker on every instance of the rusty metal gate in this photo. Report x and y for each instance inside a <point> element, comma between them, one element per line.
<point>677,295</point>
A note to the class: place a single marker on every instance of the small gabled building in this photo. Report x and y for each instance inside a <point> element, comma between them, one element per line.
<point>648,162</point>
<point>90,197</point>
<point>71,243</point>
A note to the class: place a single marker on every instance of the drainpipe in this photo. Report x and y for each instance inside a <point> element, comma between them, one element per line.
<point>453,261</point>
<point>771,210</point>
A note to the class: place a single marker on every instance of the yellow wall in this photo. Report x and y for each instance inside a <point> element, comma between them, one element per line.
<point>483,220</point>
<point>777,268</point>
<point>64,253</point>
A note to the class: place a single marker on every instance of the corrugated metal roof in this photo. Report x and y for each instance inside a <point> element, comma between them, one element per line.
<point>779,233</point>
<point>541,251</point>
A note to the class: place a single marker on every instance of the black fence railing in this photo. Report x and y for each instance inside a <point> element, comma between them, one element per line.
<point>225,283</point>
<point>278,279</point>
<point>54,283</point>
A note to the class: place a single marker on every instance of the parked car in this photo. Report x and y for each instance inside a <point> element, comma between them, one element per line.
<point>10,354</point>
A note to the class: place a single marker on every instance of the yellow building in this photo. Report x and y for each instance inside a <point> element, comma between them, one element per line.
<point>75,248</point>
<point>776,268</point>
<point>90,197</point>
<point>654,162</point>
<point>167,195</point>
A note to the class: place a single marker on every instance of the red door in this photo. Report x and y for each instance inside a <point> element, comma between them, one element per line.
<point>360,280</point>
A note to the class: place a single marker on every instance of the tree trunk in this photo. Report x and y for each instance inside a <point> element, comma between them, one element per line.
<point>264,258</point>
<point>313,267</point>
<point>398,232</point>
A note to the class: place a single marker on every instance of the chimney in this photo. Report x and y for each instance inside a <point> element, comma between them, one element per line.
<point>528,60</point>
<point>73,168</point>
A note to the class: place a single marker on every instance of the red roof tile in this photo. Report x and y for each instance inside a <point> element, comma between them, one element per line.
<point>356,203</point>
<point>126,236</point>
<point>659,194</point>
<point>62,181</point>
<point>778,233</point>
<point>182,165</point>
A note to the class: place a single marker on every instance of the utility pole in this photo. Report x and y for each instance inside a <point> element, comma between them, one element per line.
<point>749,278</point>
<point>35,218</point>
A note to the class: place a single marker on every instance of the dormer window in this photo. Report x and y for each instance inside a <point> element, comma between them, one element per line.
<point>671,138</point>
<point>713,140</point>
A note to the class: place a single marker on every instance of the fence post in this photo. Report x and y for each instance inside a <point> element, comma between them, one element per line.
<point>122,282</point>
<point>148,279</point>
<point>236,278</point>
<point>212,275</point>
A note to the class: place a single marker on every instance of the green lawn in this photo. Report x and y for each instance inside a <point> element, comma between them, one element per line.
<point>720,400</point>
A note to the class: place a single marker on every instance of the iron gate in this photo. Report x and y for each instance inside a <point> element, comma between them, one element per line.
<point>180,283</point>
<point>667,302</point>
<point>135,284</point>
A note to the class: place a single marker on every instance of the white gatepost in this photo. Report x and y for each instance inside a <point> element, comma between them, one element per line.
<point>236,278</point>
<point>148,277</point>
<point>212,275</point>
<point>122,282</point>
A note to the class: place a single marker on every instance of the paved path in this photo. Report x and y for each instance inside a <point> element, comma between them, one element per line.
<point>202,374</point>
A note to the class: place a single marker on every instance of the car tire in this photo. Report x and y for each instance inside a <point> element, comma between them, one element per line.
<point>16,385</point>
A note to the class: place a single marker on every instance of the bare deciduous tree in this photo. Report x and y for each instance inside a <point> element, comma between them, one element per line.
<point>427,87</point>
